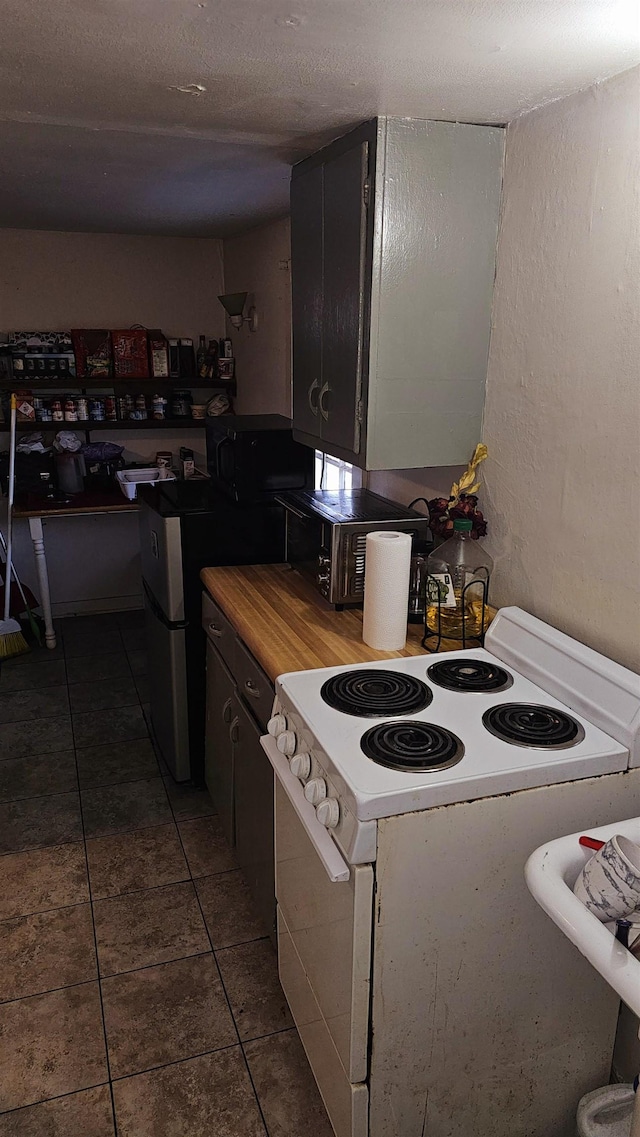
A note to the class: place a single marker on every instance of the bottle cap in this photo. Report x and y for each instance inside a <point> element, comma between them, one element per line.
<point>461,525</point>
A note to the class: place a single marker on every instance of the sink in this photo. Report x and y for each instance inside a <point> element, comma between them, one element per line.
<point>551,873</point>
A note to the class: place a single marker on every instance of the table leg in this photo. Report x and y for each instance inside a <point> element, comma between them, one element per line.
<point>37,537</point>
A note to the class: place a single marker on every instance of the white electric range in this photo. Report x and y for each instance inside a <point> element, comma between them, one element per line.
<point>432,996</point>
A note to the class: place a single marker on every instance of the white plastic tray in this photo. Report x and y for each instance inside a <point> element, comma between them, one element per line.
<point>130,488</point>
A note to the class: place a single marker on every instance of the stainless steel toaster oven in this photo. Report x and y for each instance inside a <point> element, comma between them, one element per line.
<point>326,536</point>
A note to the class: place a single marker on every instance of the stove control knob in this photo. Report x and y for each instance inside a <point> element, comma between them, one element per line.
<point>300,765</point>
<point>277,725</point>
<point>328,812</point>
<point>315,791</point>
<point>287,743</point>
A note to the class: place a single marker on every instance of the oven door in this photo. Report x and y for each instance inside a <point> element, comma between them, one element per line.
<point>324,950</point>
<point>305,537</point>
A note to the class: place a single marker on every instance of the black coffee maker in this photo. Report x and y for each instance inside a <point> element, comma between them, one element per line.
<point>35,473</point>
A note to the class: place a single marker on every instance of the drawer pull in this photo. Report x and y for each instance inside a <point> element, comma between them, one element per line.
<point>226,711</point>
<point>252,690</point>
<point>215,630</point>
<point>233,730</point>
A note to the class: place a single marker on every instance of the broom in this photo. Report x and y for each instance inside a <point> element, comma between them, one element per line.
<point>29,605</point>
<point>12,641</point>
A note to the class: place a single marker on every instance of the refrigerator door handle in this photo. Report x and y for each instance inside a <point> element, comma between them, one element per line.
<point>172,625</point>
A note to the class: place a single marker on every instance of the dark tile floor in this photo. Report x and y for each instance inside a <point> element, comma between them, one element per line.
<point>138,993</point>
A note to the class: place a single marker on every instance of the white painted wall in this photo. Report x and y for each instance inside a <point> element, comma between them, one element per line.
<point>562,414</point>
<point>60,280</point>
<point>405,485</point>
<point>109,280</point>
<point>258,262</point>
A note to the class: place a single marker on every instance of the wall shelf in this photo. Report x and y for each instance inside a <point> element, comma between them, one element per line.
<point>58,386</point>
<point>111,424</point>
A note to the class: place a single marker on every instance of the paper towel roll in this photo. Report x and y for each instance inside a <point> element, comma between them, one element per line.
<point>386,590</point>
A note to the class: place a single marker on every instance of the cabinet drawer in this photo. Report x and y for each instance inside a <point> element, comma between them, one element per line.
<point>219,630</point>
<point>254,687</point>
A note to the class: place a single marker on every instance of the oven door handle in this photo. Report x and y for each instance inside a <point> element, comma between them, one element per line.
<point>292,508</point>
<point>335,866</point>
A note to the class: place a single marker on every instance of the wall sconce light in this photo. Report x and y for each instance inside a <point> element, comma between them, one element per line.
<point>233,304</point>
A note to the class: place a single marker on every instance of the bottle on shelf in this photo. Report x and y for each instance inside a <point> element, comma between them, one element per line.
<point>201,358</point>
<point>457,582</point>
<point>187,462</point>
<point>211,361</point>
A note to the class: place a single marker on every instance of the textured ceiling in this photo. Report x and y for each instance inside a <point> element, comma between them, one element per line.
<point>95,133</point>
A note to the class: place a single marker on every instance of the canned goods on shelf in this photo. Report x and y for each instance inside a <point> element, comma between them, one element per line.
<point>159,405</point>
<point>70,409</point>
<point>96,410</point>
<point>181,401</point>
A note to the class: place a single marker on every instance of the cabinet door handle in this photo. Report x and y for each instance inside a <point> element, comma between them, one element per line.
<point>313,407</point>
<point>251,689</point>
<point>215,630</point>
<point>226,711</point>
<point>323,410</point>
<point>233,730</point>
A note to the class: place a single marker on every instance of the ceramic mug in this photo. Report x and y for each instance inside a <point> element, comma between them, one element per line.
<point>609,884</point>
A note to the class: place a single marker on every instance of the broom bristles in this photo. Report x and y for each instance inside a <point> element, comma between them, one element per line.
<point>12,641</point>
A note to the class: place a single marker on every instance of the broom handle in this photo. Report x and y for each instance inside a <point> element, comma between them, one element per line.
<point>12,474</point>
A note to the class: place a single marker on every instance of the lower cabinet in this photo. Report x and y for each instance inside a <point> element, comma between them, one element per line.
<point>221,736</point>
<point>253,778</point>
<point>238,774</point>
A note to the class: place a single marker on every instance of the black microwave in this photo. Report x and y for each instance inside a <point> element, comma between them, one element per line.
<point>253,457</point>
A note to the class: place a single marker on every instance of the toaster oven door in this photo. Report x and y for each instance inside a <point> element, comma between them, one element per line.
<point>305,537</point>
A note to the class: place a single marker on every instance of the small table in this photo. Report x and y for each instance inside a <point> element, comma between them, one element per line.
<point>36,508</point>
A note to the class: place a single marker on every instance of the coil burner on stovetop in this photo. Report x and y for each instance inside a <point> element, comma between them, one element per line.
<point>376,694</point>
<point>469,675</point>
<point>528,724</point>
<point>412,746</point>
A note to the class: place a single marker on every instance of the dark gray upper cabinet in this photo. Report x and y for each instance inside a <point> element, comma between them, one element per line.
<point>394,232</point>
<point>306,299</point>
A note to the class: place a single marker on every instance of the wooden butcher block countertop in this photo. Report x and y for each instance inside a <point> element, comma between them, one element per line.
<point>287,625</point>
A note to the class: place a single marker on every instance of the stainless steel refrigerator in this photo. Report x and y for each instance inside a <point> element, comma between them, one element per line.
<point>185,526</point>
